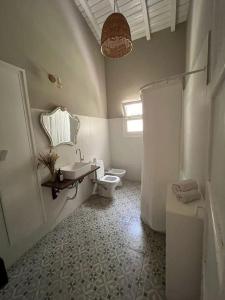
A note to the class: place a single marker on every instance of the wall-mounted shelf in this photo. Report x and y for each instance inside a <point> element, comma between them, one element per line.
<point>57,186</point>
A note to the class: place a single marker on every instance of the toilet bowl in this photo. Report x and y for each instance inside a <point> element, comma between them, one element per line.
<point>106,183</point>
<point>116,172</point>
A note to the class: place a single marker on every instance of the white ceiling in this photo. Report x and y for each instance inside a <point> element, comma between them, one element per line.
<point>144,16</point>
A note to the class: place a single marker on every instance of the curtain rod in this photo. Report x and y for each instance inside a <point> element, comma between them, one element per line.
<point>181,75</point>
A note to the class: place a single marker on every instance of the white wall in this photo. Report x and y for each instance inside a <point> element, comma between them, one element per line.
<point>204,149</point>
<point>151,60</point>
<point>217,157</point>
<point>126,151</point>
<point>57,40</point>
<point>196,104</point>
<point>196,122</point>
<point>93,140</point>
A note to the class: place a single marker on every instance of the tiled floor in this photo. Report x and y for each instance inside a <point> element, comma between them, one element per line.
<point>102,251</point>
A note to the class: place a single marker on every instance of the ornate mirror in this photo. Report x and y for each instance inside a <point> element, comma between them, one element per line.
<point>60,126</point>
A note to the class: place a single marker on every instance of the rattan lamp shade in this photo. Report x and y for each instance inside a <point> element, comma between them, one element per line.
<point>116,38</point>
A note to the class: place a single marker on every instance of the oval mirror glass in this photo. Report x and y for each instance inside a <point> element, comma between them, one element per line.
<point>60,126</point>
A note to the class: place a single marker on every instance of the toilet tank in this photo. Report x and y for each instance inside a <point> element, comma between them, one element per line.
<point>100,172</point>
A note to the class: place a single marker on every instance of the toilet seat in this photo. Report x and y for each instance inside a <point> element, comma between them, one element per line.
<point>109,179</point>
<point>116,172</point>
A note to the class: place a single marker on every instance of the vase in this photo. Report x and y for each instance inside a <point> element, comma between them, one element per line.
<point>52,176</point>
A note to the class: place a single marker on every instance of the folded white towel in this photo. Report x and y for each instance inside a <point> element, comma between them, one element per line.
<point>188,196</point>
<point>184,185</point>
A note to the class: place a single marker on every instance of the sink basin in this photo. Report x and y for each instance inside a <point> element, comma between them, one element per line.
<point>75,170</point>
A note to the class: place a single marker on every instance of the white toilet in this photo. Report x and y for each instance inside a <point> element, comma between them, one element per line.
<point>106,184</point>
<point>116,172</point>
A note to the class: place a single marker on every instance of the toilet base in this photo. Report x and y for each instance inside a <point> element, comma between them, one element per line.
<point>105,191</point>
<point>120,183</point>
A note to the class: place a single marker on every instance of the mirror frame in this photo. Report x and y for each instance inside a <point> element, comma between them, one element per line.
<point>47,133</point>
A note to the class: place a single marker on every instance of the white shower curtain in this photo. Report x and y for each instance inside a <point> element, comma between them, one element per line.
<point>162,106</point>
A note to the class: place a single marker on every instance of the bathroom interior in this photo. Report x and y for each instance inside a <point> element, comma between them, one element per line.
<point>112,144</point>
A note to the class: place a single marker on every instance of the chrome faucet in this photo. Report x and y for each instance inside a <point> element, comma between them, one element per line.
<point>81,157</point>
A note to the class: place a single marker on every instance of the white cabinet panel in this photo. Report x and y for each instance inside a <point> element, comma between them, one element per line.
<point>184,236</point>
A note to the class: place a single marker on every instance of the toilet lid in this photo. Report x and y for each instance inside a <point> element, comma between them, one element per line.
<point>116,171</point>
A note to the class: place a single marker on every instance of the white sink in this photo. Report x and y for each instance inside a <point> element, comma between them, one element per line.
<point>75,170</point>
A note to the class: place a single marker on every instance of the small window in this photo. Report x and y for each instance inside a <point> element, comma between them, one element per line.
<point>133,117</point>
<point>133,109</point>
<point>135,125</point>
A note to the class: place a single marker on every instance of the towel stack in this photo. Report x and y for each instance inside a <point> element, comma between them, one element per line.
<point>186,190</point>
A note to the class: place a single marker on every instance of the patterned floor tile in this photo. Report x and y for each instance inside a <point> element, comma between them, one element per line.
<point>101,251</point>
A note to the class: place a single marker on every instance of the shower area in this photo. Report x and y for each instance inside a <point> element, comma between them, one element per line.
<point>162,120</point>
<point>163,151</point>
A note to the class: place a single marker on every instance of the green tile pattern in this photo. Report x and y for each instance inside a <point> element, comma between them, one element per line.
<point>101,251</point>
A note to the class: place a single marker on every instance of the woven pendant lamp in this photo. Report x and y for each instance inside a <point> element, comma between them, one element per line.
<point>116,38</point>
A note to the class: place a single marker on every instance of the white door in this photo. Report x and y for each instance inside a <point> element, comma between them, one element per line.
<point>20,195</point>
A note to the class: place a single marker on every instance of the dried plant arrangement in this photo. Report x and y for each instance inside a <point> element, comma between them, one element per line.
<point>48,160</point>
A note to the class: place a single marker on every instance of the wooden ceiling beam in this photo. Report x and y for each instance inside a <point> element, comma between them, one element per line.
<point>173,14</point>
<point>112,5</point>
<point>91,17</point>
<point>146,19</point>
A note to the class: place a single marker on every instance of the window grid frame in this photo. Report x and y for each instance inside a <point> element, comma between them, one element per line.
<point>134,117</point>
